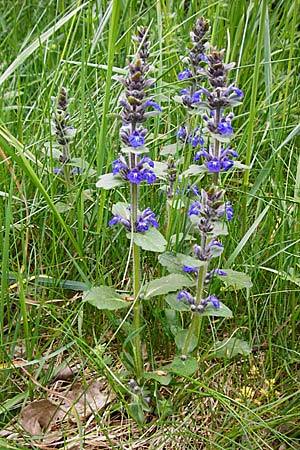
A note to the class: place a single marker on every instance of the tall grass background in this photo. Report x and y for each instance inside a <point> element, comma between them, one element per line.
<point>55,241</point>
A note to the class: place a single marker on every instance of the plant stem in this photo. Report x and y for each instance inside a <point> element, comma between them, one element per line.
<point>137,347</point>
<point>195,326</point>
<point>217,146</point>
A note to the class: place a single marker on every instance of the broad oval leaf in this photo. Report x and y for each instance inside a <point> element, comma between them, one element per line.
<point>180,340</point>
<point>122,209</point>
<point>170,149</point>
<point>160,169</point>
<point>184,368</point>
<point>228,348</point>
<point>175,304</point>
<point>211,311</point>
<point>169,283</point>
<point>238,280</point>
<point>194,169</point>
<point>161,376</point>
<point>152,240</point>
<point>104,297</point>
<point>174,262</point>
<point>109,181</point>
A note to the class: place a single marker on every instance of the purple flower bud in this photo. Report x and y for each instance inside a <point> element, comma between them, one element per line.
<point>196,97</point>
<point>239,92</point>
<point>147,160</point>
<point>184,91</point>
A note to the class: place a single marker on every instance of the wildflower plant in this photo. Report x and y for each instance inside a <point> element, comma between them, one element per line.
<point>210,212</point>
<point>131,168</point>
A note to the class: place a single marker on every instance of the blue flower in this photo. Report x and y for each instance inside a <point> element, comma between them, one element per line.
<point>181,133</point>
<point>195,209</point>
<point>119,164</point>
<point>136,139</point>
<point>135,176</point>
<point>185,295</point>
<point>225,127</point>
<point>148,175</point>
<point>146,219</point>
<point>153,104</point>
<point>186,73</point>
<point>190,269</point>
<point>227,164</point>
<point>213,165</point>
<point>146,160</point>
<point>228,211</point>
<point>212,299</point>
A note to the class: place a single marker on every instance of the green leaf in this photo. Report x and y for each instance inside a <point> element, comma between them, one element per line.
<point>180,340</point>
<point>184,368</point>
<point>152,240</point>
<point>238,280</point>
<point>211,311</point>
<point>175,304</point>
<point>228,348</point>
<point>109,181</point>
<point>160,375</point>
<point>174,262</point>
<point>194,169</point>
<point>160,169</point>
<point>170,261</point>
<point>170,149</point>
<point>135,150</point>
<point>121,208</point>
<point>169,283</point>
<point>104,297</point>
<point>239,165</point>
<point>136,412</point>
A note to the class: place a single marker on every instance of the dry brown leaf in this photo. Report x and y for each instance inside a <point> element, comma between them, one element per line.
<point>87,399</point>
<point>37,416</point>
<point>67,372</point>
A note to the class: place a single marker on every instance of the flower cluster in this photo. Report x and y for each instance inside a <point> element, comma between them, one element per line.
<point>60,125</point>
<point>216,164</point>
<point>141,172</point>
<point>190,300</point>
<point>194,138</point>
<point>210,209</point>
<point>134,101</point>
<point>142,224</point>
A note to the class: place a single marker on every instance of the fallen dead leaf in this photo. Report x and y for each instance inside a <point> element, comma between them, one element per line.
<point>38,415</point>
<point>87,399</point>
